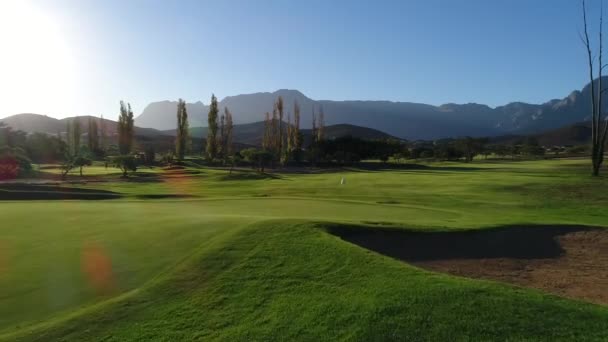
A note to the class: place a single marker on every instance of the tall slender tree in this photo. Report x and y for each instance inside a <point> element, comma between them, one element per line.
<point>181,141</point>
<point>266,139</point>
<point>125,129</point>
<point>290,143</point>
<point>76,132</point>
<point>228,132</point>
<point>279,106</point>
<point>599,125</point>
<point>314,136</point>
<point>275,130</point>
<point>68,137</point>
<point>321,125</point>
<point>212,147</point>
<point>93,136</point>
<point>103,134</point>
<point>222,138</point>
<point>297,141</point>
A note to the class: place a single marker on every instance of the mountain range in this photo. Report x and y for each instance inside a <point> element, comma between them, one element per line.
<point>244,134</point>
<point>401,119</point>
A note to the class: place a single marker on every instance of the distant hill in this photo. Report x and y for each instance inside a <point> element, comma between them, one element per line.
<point>402,119</point>
<point>252,133</point>
<point>31,123</point>
<point>577,134</point>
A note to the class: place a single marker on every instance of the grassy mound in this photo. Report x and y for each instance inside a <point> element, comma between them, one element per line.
<point>245,287</point>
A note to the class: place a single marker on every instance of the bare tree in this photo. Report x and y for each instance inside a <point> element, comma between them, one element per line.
<point>266,142</point>
<point>599,127</point>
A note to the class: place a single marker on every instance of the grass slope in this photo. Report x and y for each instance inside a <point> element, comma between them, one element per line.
<point>244,259</point>
<point>249,288</point>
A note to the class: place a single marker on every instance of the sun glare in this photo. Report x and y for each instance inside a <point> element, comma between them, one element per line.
<point>36,64</point>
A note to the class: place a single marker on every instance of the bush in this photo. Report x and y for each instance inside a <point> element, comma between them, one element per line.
<point>13,163</point>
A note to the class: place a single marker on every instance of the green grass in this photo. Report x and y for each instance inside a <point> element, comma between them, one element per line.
<point>249,258</point>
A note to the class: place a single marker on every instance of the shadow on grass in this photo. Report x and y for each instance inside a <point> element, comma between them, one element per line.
<point>13,192</point>
<point>164,196</point>
<point>143,178</point>
<point>248,175</point>
<point>517,242</point>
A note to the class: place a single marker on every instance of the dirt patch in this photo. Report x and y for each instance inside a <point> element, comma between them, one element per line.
<point>569,261</point>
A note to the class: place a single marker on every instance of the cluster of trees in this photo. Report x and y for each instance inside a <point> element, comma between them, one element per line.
<point>468,148</point>
<point>219,136</point>
<point>282,142</point>
<point>14,160</point>
<point>219,142</point>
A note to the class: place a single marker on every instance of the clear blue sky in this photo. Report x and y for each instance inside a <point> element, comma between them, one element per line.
<point>429,51</point>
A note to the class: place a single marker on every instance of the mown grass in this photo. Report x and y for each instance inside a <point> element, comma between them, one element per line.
<point>278,274</point>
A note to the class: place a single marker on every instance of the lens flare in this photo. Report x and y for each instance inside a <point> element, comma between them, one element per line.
<point>97,268</point>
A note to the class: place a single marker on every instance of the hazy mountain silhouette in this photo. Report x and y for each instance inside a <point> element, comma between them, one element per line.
<point>252,133</point>
<point>401,119</point>
<point>32,123</point>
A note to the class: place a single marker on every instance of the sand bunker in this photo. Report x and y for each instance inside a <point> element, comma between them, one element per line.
<point>570,261</point>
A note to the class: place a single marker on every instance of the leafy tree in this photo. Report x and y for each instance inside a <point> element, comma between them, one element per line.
<point>181,141</point>
<point>531,147</point>
<point>259,158</point>
<point>10,137</point>
<point>470,147</point>
<point>125,163</point>
<point>234,160</point>
<point>125,129</point>
<point>13,162</point>
<point>212,148</point>
<point>150,155</point>
<point>43,148</point>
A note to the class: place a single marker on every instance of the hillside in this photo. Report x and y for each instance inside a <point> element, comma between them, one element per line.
<point>577,134</point>
<point>401,119</point>
<point>32,123</point>
<point>252,133</point>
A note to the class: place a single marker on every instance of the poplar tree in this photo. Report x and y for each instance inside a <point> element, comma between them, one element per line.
<point>68,137</point>
<point>279,107</point>
<point>295,131</point>
<point>222,137</point>
<point>212,129</point>
<point>76,132</point>
<point>321,125</point>
<point>125,129</point>
<point>290,143</point>
<point>93,136</point>
<point>267,132</point>
<point>102,133</point>
<point>181,141</point>
<point>228,131</point>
